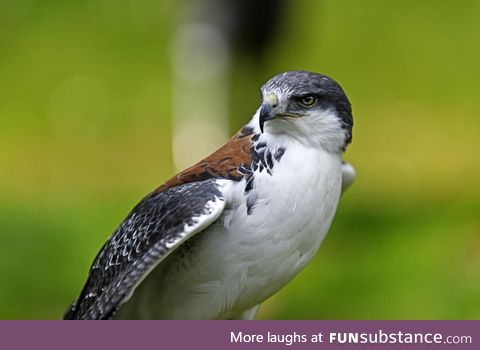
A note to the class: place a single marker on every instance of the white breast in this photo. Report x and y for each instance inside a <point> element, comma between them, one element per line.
<point>243,259</point>
<point>294,209</point>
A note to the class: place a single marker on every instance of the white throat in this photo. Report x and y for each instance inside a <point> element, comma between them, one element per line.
<point>319,129</point>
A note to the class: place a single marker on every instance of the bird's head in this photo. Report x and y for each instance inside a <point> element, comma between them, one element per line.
<point>308,106</point>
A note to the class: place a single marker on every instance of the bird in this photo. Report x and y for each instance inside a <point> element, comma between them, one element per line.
<point>219,238</point>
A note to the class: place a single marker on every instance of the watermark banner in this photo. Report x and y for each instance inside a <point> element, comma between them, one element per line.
<point>214,335</point>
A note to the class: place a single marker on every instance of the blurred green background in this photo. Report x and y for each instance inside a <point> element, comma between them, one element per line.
<point>85,132</point>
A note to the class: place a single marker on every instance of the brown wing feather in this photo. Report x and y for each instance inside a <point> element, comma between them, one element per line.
<point>223,163</point>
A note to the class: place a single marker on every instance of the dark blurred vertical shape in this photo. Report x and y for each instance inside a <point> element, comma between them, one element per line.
<point>211,35</point>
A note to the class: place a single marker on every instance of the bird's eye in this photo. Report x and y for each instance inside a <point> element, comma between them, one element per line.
<point>308,101</point>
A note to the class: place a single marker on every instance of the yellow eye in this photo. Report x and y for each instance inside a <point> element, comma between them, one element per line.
<point>308,100</point>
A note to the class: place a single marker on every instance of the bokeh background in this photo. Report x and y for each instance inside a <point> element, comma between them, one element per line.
<point>91,102</point>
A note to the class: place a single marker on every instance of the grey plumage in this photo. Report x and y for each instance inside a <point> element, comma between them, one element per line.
<point>298,83</point>
<point>154,228</point>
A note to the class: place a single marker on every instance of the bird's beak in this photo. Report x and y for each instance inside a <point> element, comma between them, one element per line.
<point>267,111</point>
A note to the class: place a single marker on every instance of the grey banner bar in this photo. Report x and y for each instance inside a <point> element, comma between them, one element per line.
<point>212,335</point>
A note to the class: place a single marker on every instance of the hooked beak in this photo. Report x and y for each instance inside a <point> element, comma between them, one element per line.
<point>266,113</point>
<point>267,110</point>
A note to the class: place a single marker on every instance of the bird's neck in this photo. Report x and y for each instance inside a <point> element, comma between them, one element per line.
<point>324,137</point>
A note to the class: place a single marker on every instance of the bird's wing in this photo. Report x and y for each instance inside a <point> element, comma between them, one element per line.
<point>158,225</point>
<point>348,175</point>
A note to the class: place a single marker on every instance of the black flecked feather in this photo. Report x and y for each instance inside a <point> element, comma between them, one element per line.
<point>154,228</point>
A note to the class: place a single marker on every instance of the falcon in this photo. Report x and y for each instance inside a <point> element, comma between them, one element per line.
<point>224,235</point>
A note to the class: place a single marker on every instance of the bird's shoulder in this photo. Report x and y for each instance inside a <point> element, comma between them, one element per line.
<point>231,161</point>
